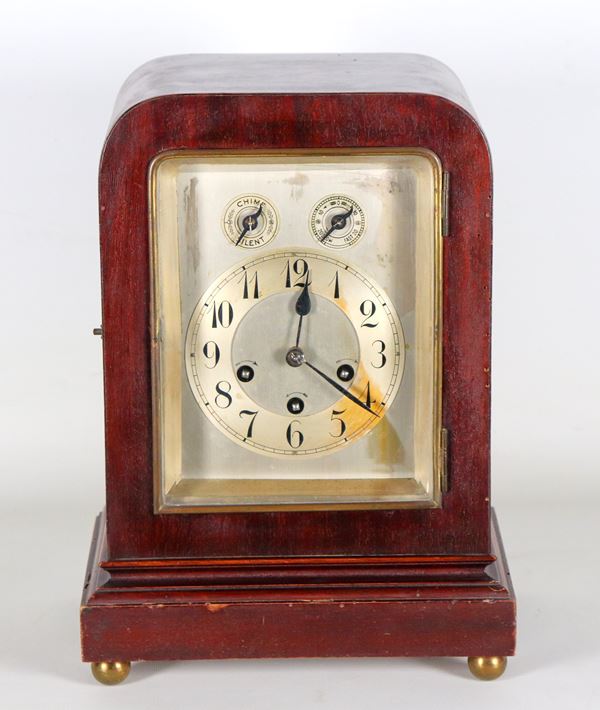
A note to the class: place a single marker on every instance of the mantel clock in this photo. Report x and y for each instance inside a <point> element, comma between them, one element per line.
<point>296,255</point>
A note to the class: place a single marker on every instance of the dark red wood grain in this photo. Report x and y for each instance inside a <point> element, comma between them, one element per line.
<point>440,607</point>
<point>301,630</point>
<point>281,584</point>
<point>257,122</point>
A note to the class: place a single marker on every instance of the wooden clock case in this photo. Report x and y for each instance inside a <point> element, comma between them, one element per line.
<point>412,582</point>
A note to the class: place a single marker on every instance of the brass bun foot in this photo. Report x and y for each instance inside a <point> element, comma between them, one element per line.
<point>487,667</point>
<point>111,672</point>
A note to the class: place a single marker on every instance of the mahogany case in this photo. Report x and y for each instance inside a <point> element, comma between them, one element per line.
<point>328,583</point>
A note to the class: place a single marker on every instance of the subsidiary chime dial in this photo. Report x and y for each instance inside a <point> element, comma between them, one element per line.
<point>250,221</point>
<point>294,353</point>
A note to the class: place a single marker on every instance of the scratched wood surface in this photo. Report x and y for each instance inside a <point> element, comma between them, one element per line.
<point>155,615</point>
<point>308,74</point>
<point>423,610</point>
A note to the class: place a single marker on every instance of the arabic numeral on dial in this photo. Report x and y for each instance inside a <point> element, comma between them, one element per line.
<point>335,282</point>
<point>252,415</point>
<point>295,437</point>
<point>222,315</point>
<point>380,347</point>
<point>365,396</point>
<point>335,417</point>
<point>250,289</point>
<point>212,353</point>
<point>223,399</point>
<point>368,308</point>
<point>295,272</point>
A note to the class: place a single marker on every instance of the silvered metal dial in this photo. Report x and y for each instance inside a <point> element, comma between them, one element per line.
<point>294,353</point>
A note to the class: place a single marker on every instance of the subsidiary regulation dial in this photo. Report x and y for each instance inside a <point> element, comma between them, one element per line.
<point>337,221</point>
<point>250,221</point>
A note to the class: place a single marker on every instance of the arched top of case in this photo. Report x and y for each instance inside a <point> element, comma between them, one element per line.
<point>221,74</point>
<point>285,103</point>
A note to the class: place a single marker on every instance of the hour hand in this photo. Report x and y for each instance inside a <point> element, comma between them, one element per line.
<point>303,304</point>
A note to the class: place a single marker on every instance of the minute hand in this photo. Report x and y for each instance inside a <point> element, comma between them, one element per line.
<point>341,389</point>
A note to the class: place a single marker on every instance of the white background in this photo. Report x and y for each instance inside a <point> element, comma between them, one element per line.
<point>532,70</point>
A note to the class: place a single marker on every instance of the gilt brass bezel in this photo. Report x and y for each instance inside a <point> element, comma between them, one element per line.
<point>234,495</point>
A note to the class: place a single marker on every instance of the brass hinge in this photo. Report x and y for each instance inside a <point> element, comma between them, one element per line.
<point>444,456</point>
<point>445,203</point>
